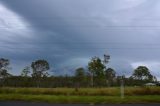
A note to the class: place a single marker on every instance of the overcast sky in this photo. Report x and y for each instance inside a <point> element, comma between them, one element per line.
<point>69,32</point>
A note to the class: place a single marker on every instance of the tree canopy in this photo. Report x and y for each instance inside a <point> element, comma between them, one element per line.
<point>40,68</point>
<point>4,66</point>
<point>96,66</point>
<point>25,71</point>
<point>142,73</point>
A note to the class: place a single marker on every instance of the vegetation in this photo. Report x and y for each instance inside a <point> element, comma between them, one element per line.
<point>96,69</point>
<point>4,66</point>
<point>143,73</point>
<point>110,76</point>
<point>97,84</point>
<point>80,99</point>
<point>25,71</point>
<point>83,95</point>
<point>112,91</point>
<point>97,75</point>
<point>39,68</point>
<point>80,77</point>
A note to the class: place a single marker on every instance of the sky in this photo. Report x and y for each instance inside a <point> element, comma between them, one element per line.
<point>68,33</point>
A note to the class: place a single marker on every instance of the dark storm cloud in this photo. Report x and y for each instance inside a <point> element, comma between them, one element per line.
<point>69,32</point>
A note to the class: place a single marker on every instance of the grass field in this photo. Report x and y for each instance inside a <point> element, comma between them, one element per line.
<point>83,95</point>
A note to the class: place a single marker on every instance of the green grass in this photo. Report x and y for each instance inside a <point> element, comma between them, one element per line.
<point>83,95</point>
<point>80,99</point>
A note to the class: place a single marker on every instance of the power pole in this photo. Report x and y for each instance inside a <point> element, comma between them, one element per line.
<point>105,61</point>
<point>122,87</point>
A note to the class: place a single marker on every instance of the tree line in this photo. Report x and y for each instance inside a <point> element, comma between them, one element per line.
<point>95,75</point>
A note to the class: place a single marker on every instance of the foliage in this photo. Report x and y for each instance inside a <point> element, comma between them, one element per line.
<point>40,68</point>
<point>110,76</point>
<point>80,76</point>
<point>96,73</point>
<point>25,71</point>
<point>80,73</point>
<point>96,68</point>
<point>4,66</point>
<point>4,63</point>
<point>142,73</point>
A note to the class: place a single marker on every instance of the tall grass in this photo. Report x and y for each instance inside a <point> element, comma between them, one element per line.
<point>115,91</point>
<point>142,91</point>
<point>80,99</point>
<point>61,91</point>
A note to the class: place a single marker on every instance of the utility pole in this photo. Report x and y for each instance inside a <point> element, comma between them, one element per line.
<point>105,61</point>
<point>122,87</point>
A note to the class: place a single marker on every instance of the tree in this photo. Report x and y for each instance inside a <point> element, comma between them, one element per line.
<point>25,75</point>
<point>4,74</point>
<point>25,71</point>
<point>4,63</point>
<point>110,76</point>
<point>39,68</point>
<point>142,73</point>
<point>4,66</point>
<point>80,76</point>
<point>96,68</point>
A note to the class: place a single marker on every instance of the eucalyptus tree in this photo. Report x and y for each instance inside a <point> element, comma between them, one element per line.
<point>96,68</point>
<point>142,73</point>
<point>110,75</point>
<point>39,68</point>
<point>80,76</point>
<point>4,67</point>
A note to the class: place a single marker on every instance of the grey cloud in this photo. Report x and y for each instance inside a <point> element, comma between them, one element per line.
<point>66,30</point>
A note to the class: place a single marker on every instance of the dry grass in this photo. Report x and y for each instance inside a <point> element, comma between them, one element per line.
<point>142,91</point>
<point>83,95</point>
<point>61,91</point>
<point>115,91</point>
